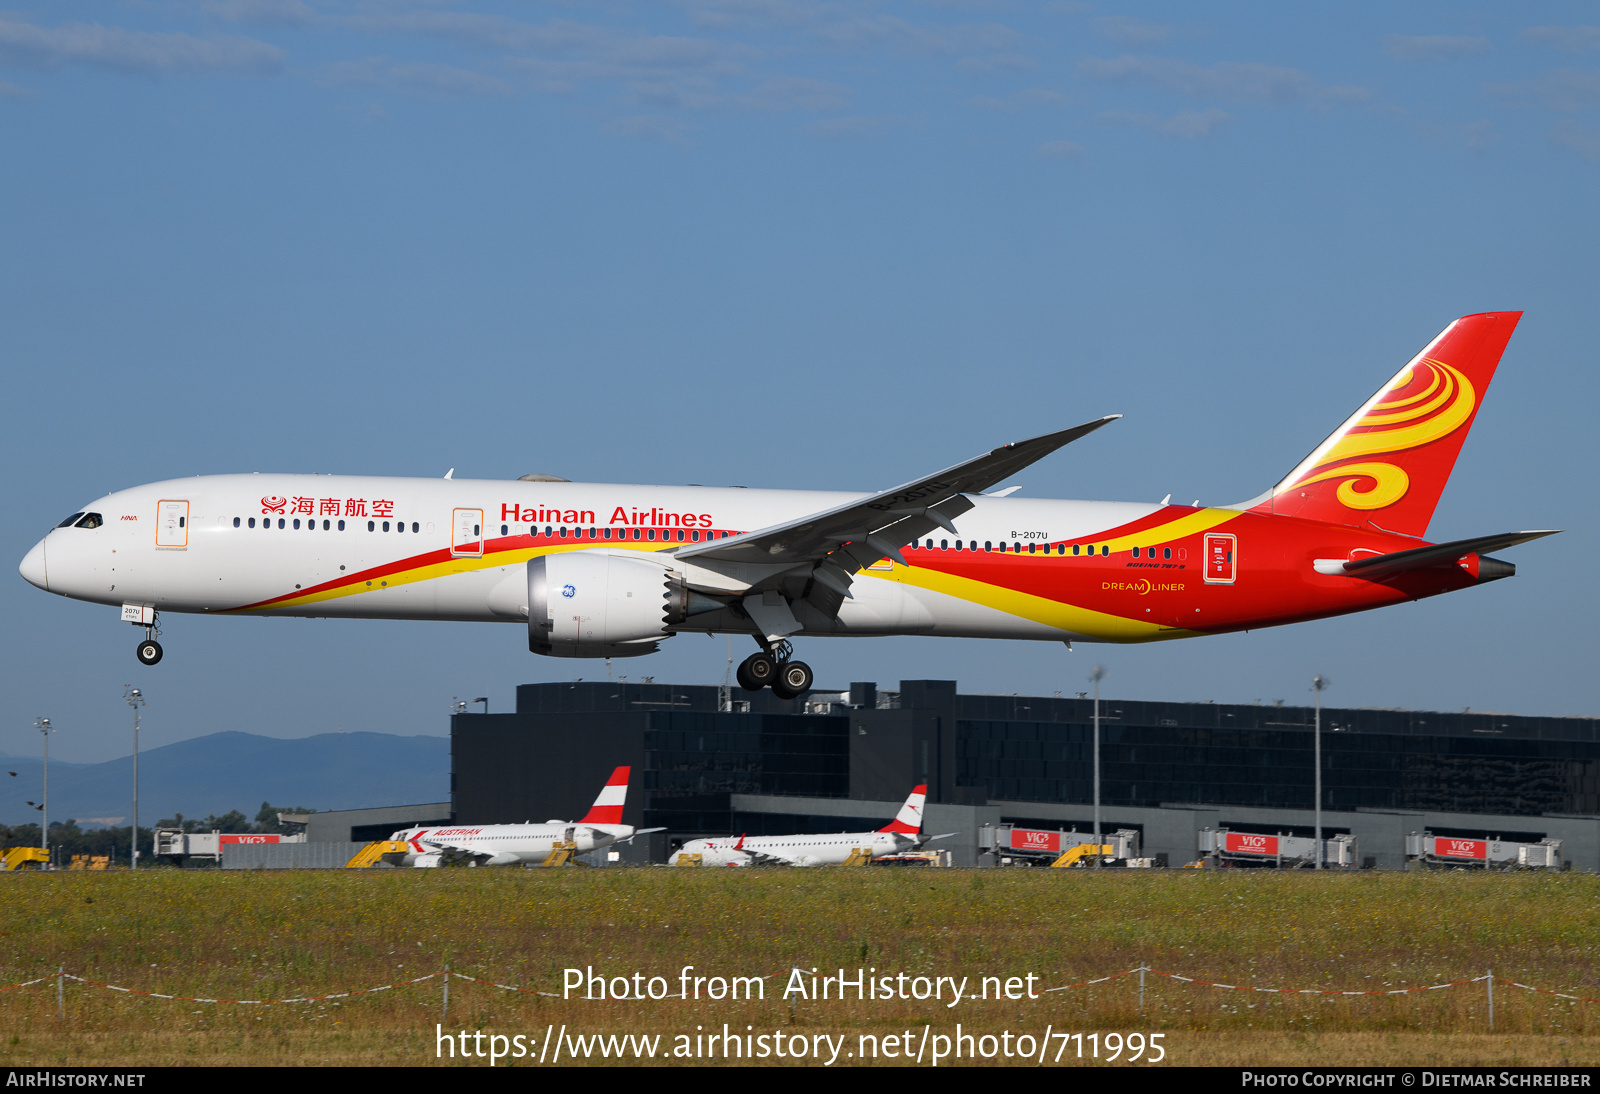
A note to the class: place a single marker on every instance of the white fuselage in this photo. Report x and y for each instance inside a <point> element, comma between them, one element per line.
<point>801,850</point>
<point>505,844</point>
<point>406,548</point>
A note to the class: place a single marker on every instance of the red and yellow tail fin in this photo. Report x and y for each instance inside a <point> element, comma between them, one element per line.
<point>1387,465</point>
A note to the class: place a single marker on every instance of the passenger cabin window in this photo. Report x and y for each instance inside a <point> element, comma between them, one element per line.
<point>371,525</point>
<point>252,522</point>
<point>385,526</point>
<point>280,522</point>
<point>415,525</point>
<point>69,521</point>
<point>1166,552</point>
<point>341,526</point>
<point>89,520</point>
<point>236,522</point>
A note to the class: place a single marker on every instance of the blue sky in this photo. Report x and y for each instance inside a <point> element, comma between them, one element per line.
<point>784,244</point>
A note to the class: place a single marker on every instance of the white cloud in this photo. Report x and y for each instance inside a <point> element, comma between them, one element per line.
<point>1246,81</point>
<point>1434,47</point>
<point>1036,96</point>
<point>417,79</point>
<point>141,52</point>
<point>1188,124</point>
<point>1565,89</point>
<point>1579,39</point>
<point>261,13</point>
<point>1058,150</point>
<point>12,91</point>
<point>860,125</point>
<point>996,64</point>
<point>1127,31</point>
<point>796,93</point>
<point>1582,139</point>
<point>650,127</point>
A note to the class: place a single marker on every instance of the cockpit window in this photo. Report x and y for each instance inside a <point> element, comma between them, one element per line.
<point>90,520</point>
<point>68,522</point>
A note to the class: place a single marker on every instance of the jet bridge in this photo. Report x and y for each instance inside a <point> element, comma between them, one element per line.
<point>1488,854</point>
<point>1283,851</point>
<point>1044,847</point>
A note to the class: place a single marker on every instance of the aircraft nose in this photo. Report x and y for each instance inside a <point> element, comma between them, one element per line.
<point>33,567</point>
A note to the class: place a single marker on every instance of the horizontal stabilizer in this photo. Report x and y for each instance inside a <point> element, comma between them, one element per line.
<point>1419,557</point>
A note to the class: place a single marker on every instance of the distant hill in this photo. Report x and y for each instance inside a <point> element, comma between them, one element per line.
<point>224,771</point>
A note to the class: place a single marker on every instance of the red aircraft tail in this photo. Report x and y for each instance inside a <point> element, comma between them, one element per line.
<point>1387,465</point>
<point>607,808</point>
<point>909,820</point>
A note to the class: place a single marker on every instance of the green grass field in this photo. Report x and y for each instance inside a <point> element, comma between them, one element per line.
<point>281,934</point>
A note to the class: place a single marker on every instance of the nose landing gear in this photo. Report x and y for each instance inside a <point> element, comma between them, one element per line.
<point>149,651</point>
<point>773,666</point>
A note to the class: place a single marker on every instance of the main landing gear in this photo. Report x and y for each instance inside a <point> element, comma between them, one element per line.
<point>149,651</point>
<point>772,666</point>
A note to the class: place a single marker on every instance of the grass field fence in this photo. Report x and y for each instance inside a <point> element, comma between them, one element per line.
<point>1488,979</point>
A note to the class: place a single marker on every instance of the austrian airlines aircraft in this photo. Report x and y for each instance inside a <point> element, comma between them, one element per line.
<point>511,844</point>
<point>610,571</point>
<point>901,834</point>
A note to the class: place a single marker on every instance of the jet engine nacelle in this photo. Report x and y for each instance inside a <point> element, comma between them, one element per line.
<point>597,603</point>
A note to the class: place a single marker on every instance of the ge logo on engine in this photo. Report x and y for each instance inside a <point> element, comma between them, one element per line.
<point>569,591</point>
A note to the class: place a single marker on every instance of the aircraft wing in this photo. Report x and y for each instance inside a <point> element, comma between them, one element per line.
<point>859,533</point>
<point>641,832</point>
<point>763,858</point>
<point>450,850</point>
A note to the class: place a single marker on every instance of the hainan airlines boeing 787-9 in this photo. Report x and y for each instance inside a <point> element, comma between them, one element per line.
<point>609,570</point>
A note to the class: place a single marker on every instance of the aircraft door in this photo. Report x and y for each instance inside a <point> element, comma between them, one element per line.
<point>466,539</point>
<point>1221,561</point>
<point>172,524</point>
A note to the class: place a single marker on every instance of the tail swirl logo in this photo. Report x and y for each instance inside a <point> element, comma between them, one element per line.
<point>1426,402</point>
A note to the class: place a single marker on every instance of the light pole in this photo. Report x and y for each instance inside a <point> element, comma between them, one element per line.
<point>1095,675</point>
<point>135,699</point>
<point>1317,684</point>
<point>43,725</point>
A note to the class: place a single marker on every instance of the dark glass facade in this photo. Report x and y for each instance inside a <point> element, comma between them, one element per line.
<point>1513,768</point>
<point>693,761</point>
<point>690,758</point>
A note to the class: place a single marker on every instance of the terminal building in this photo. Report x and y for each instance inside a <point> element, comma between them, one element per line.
<point>711,761</point>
